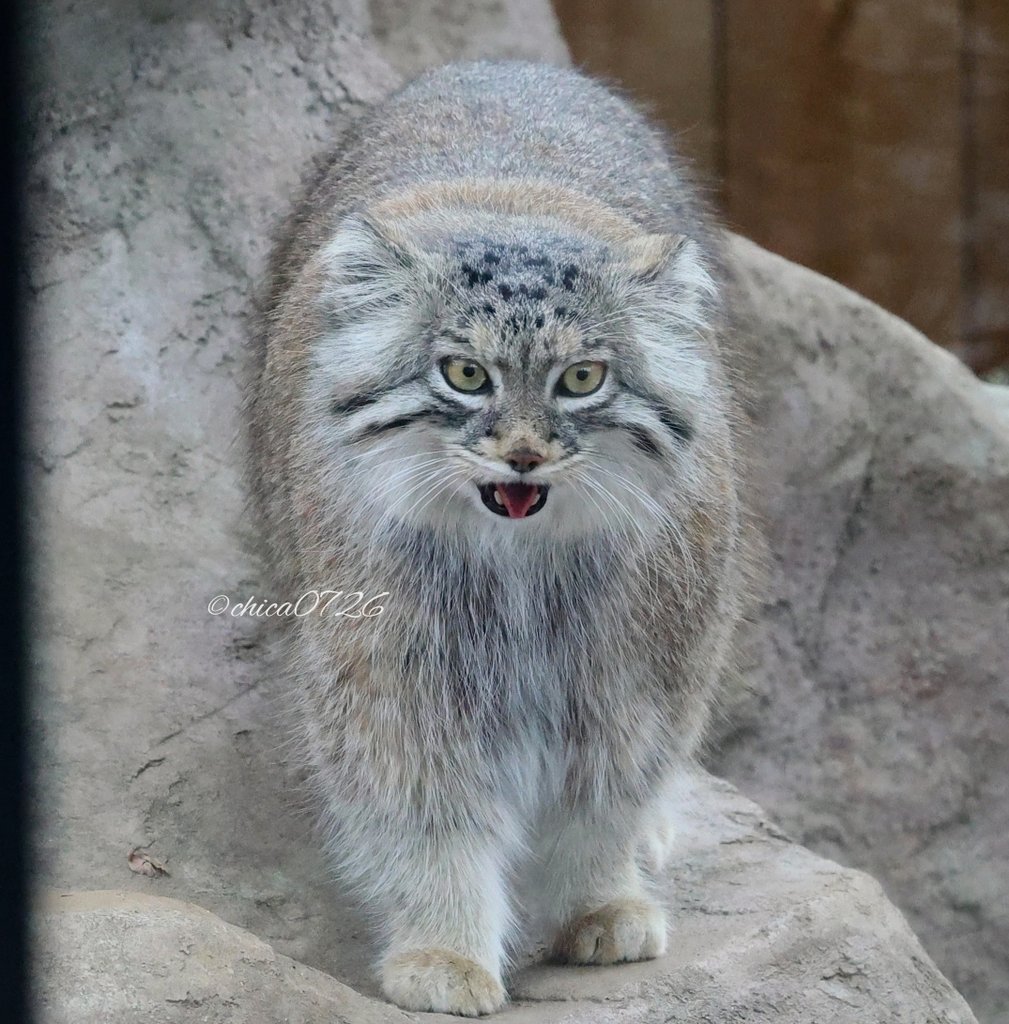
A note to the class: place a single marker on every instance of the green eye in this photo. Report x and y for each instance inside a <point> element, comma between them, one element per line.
<point>465,375</point>
<point>581,379</point>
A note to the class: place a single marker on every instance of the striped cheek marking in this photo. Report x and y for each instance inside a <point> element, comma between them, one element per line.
<point>401,414</point>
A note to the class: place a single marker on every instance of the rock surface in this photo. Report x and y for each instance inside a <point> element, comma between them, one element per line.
<point>110,956</point>
<point>763,930</point>
<point>167,138</point>
<point>876,726</point>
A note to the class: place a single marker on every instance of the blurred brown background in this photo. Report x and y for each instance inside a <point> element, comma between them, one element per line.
<point>868,139</point>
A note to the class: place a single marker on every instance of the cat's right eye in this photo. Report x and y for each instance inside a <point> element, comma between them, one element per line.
<point>465,375</point>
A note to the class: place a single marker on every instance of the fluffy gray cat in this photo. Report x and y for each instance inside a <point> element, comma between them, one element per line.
<point>489,383</point>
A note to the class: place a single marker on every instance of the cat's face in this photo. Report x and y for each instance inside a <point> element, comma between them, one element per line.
<point>512,379</point>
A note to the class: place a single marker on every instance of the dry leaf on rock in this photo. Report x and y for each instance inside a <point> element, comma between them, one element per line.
<point>143,863</point>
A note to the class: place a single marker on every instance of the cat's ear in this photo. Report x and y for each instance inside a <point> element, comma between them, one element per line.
<point>675,260</point>
<point>370,261</point>
<point>645,257</point>
<point>393,237</point>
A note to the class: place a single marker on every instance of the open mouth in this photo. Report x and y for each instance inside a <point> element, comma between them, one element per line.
<point>516,501</point>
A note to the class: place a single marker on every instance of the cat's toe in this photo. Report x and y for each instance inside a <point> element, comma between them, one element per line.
<point>440,981</point>
<point>622,930</point>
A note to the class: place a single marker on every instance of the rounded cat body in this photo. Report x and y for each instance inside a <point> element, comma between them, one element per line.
<point>488,384</point>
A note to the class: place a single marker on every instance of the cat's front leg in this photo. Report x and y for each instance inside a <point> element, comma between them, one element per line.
<point>446,929</point>
<point>597,897</point>
<point>436,883</point>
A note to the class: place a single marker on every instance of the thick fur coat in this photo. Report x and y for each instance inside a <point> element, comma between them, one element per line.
<point>561,565</point>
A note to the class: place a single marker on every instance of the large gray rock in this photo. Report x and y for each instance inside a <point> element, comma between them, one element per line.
<point>763,930</point>
<point>166,140</point>
<point>110,956</point>
<point>876,726</point>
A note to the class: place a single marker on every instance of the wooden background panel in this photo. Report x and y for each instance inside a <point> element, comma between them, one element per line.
<point>986,261</point>
<point>664,53</point>
<point>868,139</point>
<point>842,145</point>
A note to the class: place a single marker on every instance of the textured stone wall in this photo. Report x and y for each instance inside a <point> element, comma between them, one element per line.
<point>166,141</point>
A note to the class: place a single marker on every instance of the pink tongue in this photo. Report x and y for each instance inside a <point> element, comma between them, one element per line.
<point>518,498</point>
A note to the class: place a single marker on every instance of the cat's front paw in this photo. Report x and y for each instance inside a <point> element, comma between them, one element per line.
<point>622,930</point>
<point>441,981</point>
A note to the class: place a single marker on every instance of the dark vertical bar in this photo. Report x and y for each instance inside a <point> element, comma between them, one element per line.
<point>13,889</point>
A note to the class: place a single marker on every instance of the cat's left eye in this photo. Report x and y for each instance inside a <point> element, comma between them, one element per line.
<point>581,379</point>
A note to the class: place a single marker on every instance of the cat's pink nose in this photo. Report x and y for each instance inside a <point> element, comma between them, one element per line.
<point>524,459</point>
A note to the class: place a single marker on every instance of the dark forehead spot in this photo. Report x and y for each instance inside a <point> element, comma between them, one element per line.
<point>502,271</point>
<point>474,276</point>
<point>489,309</point>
